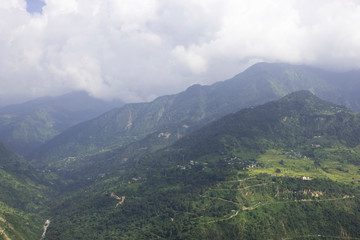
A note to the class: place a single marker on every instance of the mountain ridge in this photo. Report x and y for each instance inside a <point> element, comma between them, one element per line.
<point>181,113</point>
<point>236,176</point>
<point>28,125</point>
<point>303,101</point>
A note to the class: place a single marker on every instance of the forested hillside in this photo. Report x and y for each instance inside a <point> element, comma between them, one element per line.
<point>288,169</point>
<point>24,197</point>
<point>28,125</point>
<point>169,118</point>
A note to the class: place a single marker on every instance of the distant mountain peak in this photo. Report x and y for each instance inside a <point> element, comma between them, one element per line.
<point>300,95</point>
<point>199,105</point>
<point>26,126</point>
<point>305,100</point>
<point>287,122</point>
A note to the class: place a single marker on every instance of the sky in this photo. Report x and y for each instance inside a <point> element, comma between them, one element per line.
<point>137,50</point>
<point>34,6</point>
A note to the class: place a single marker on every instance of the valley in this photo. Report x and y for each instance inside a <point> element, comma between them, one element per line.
<point>202,186</point>
<point>181,114</point>
<point>226,161</point>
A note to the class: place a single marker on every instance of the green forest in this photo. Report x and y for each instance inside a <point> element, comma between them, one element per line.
<point>237,178</point>
<point>287,169</point>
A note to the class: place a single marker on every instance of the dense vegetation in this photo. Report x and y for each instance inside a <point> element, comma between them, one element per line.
<point>171,117</point>
<point>24,196</point>
<point>236,178</point>
<point>26,126</point>
<point>262,207</point>
<point>287,169</point>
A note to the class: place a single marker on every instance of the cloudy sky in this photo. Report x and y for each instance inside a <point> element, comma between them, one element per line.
<point>139,49</point>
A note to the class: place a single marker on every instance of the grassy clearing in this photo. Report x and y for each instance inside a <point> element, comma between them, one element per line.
<point>293,164</point>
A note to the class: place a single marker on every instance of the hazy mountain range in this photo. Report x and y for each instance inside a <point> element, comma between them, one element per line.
<point>271,153</point>
<point>174,116</point>
<point>28,125</point>
<point>237,176</point>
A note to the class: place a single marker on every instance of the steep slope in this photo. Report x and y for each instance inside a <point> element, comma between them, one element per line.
<point>295,119</point>
<point>176,115</point>
<point>23,198</point>
<point>26,126</point>
<point>236,178</point>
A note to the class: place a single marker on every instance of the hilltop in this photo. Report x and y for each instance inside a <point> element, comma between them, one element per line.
<point>168,118</point>
<point>239,176</point>
<point>26,126</point>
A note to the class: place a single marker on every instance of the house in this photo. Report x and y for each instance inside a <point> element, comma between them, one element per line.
<point>305,178</point>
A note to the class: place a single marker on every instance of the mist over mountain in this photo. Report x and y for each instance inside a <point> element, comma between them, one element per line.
<point>288,167</point>
<point>176,115</point>
<point>291,121</point>
<point>163,47</point>
<point>184,119</point>
<point>26,126</point>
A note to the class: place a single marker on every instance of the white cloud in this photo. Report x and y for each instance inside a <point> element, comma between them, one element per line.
<point>56,8</point>
<point>196,63</point>
<point>139,49</point>
<point>11,4</point>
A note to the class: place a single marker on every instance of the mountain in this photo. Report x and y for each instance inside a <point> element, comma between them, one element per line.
<point>286,169</point>
<point>171,117</point>
<point>24,195</point>
<point>26,126</point>
<point>295,119</point>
